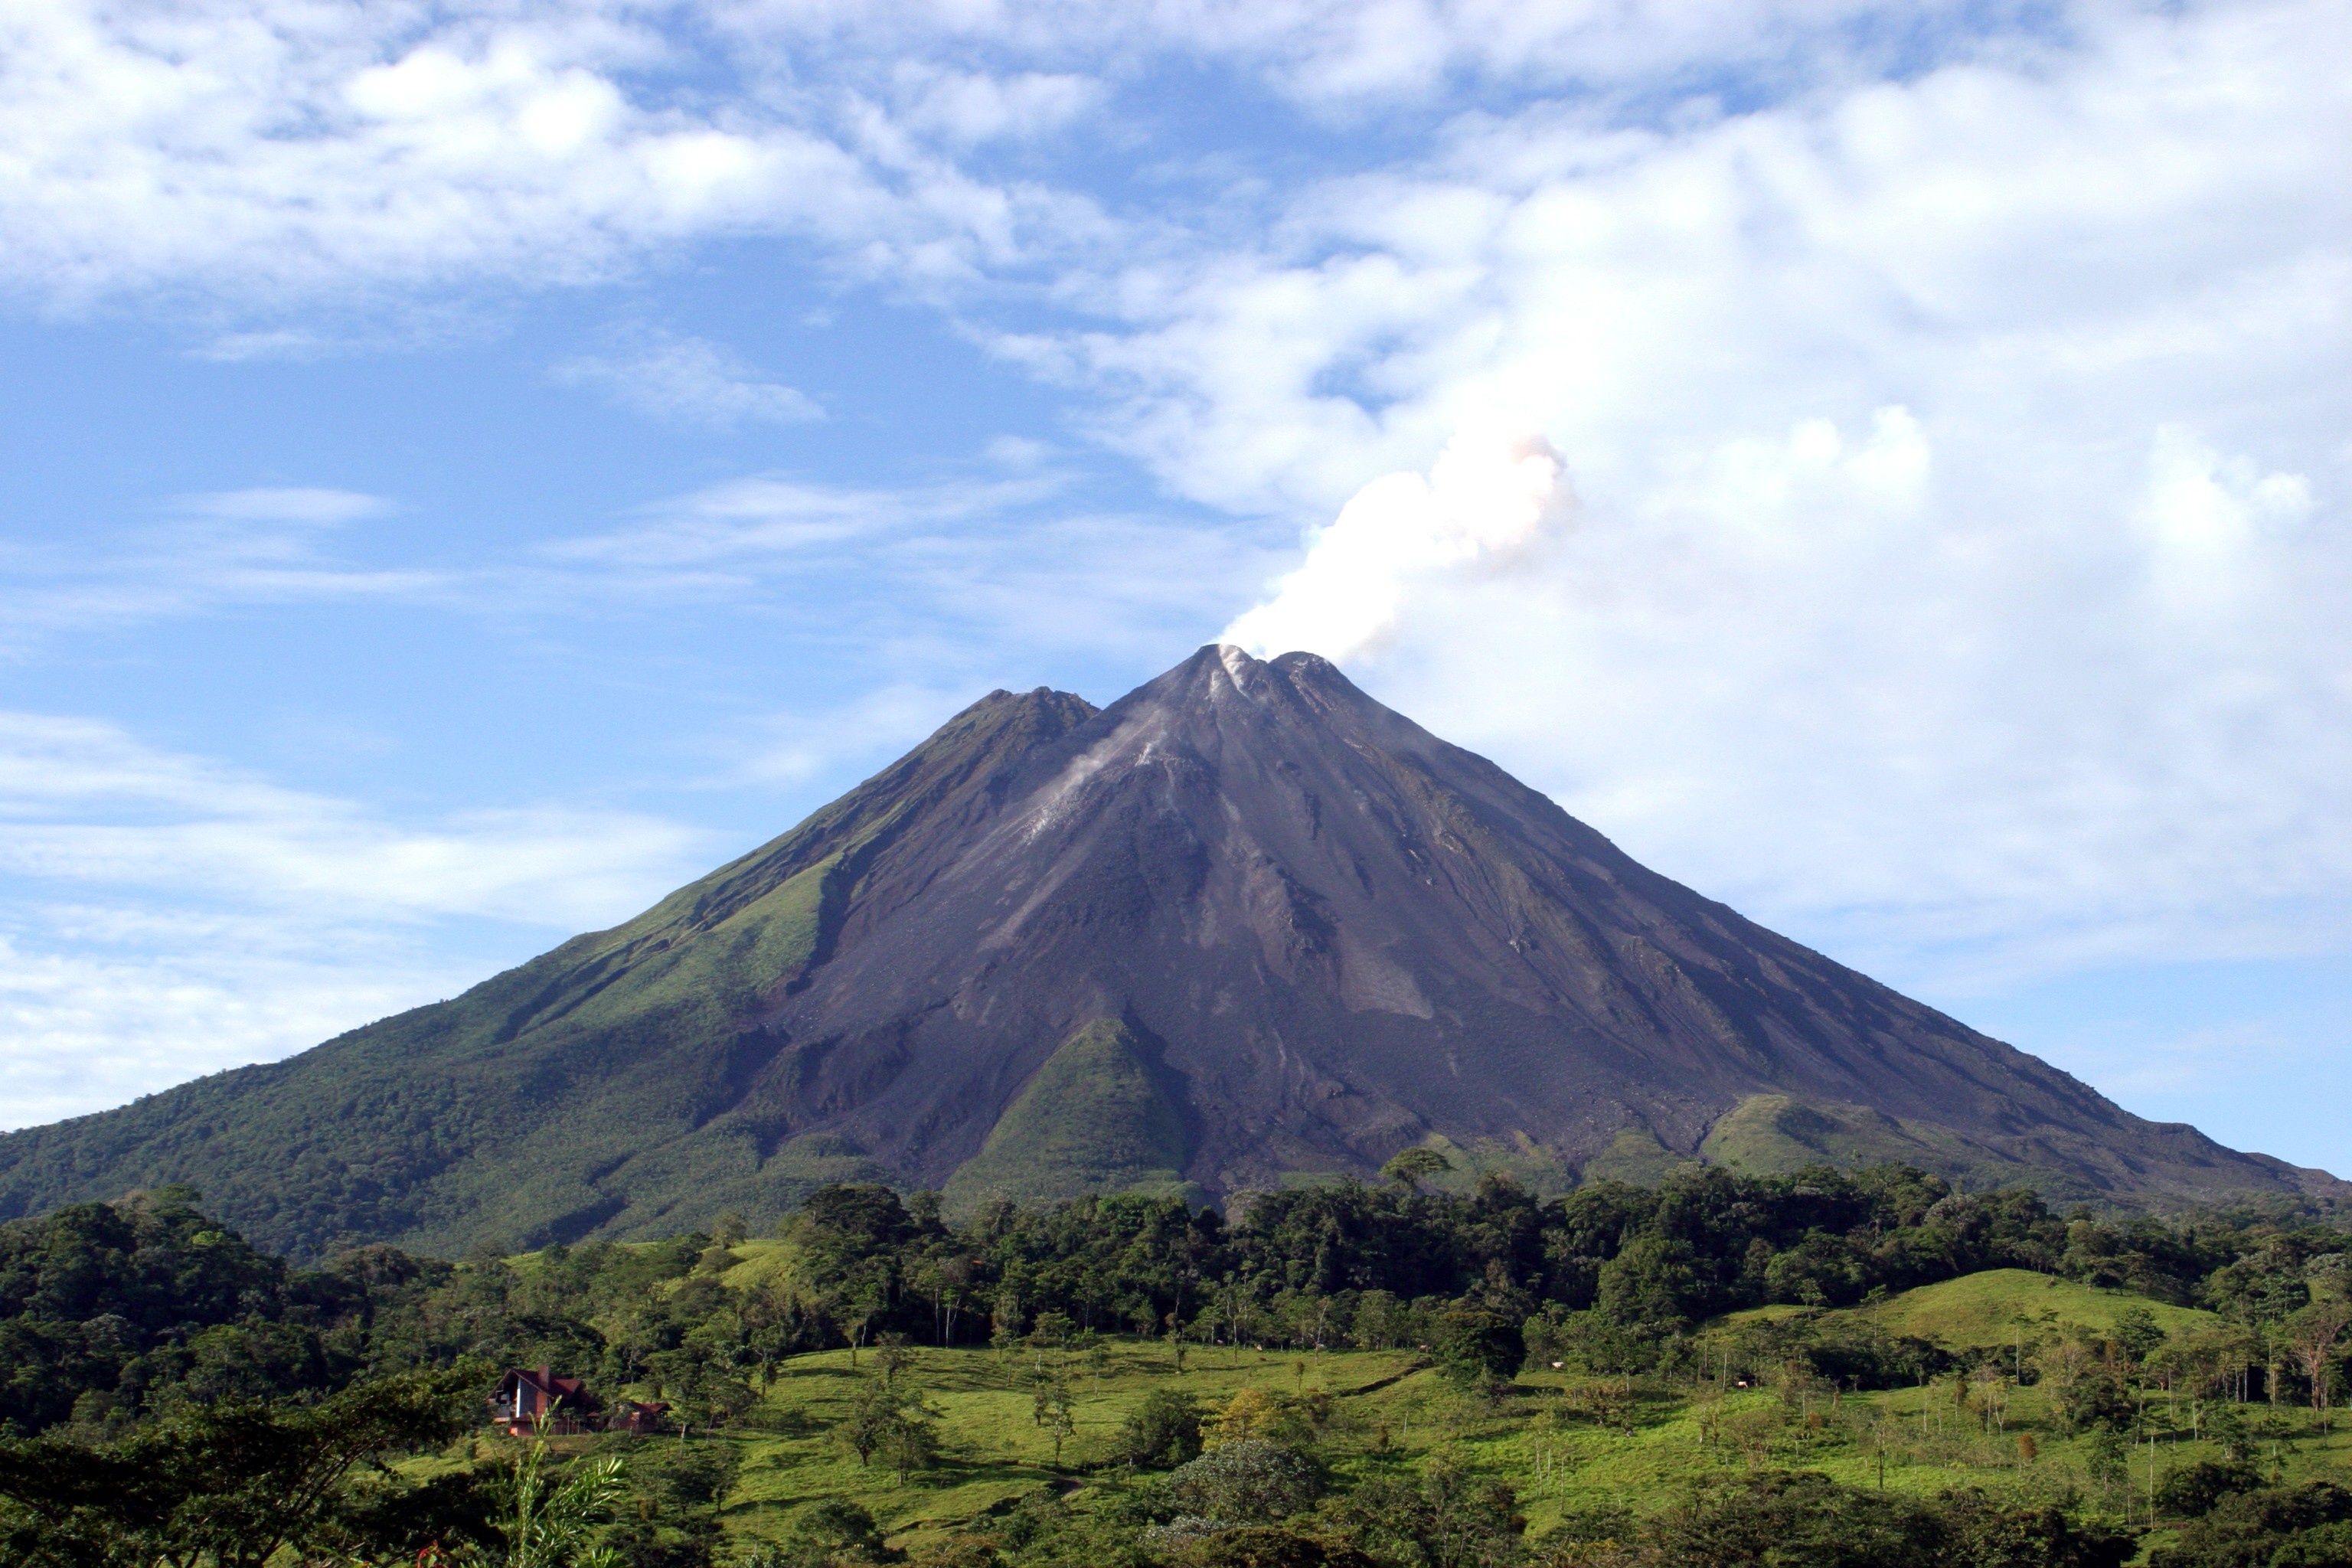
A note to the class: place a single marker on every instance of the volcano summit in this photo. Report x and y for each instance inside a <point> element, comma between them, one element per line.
<point>1244,927</point>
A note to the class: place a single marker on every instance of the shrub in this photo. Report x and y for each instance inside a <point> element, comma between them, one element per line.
<point>2290,1527</point>
<point>2191,1493</point>
<point>1265,1547</point>
<point>1247,1481</point>
<point>1162,1431</point>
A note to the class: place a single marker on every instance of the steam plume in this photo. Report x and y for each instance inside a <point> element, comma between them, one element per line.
<point>1486,502</point>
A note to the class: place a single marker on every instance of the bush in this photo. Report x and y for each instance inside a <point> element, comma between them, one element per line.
<point>2279,1527</point>
<point>829,1534</point>
<point>2191,1493</point>
<point>1475,1347</point>
<point>1264,1547</point>
<point>1247,1481</point>
<point>1446,1517</point>
<point>1162,1431</point>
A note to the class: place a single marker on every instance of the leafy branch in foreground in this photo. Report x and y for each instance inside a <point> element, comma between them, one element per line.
<point>225,1486</point>
<point>546,1522</point>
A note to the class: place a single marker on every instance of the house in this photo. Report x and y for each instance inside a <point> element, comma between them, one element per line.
<point>528,1395</point>
<point>638,1420</point>
<point>526,1398</point>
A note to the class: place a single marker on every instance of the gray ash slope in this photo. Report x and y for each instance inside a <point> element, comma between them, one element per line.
<point>1245,926</point>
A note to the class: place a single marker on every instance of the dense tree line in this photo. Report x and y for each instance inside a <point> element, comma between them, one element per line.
<point>140,1339</point>
<point>113,1313</point>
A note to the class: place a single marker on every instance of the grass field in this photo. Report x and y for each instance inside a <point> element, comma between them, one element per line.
<point>1979,1312</point>
<point>1392,1408</point>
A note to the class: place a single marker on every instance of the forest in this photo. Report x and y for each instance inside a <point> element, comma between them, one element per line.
<point>1830,1367</point>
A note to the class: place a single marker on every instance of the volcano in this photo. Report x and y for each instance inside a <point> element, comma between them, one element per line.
<point>1244,927</point>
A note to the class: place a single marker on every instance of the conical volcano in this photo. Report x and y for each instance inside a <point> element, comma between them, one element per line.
<point>1244,927</point>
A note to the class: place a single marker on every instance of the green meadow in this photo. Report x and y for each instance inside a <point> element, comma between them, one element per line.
<point>1562,1440</point>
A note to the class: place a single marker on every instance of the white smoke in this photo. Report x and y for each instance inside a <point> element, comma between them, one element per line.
<point>1487,502</point>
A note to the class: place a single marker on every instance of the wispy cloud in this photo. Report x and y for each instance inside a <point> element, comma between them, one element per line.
<point>687,380</point>
<point>270,545</point>
<point>84,803</point>
<point>763,516</point>
<point>171,915</point>
<point>951,571</point>
<point>285,505</point>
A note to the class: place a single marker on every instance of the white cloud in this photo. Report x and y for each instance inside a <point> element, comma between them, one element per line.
<point>270,154</point>
<point>1486,502</point>
<point>766,515</point>
<point>88,1024</point>
<point>84,804</point>
<point>1963,554</point>
<point>258,155</point>
<point>688,380</point>
<point>170,915</point>
<point>245,546</point>
<point>1345,56</point>
<point>938,585</point>
<point>966,107</point>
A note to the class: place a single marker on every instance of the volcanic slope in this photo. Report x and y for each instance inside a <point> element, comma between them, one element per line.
<point>1244,927</point>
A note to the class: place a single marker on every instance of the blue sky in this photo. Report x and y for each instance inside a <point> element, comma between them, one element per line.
<point>464,470</point>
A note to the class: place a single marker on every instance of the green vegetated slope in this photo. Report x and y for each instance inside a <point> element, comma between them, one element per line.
<point>1636,1155</point>
<point>1991,1309</point>
<point>1092,1120</point>
<point>1773,1134</point>
<point>601,1086</point>
<point>1640,1446</point>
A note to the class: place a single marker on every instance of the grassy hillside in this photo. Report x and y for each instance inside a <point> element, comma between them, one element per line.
<point>1995,1308</point>
<point>1546,1437</point>
<point>1773,1134</point>
<point>1567,1443</point>
<point>1988,1309</point>
<point>1092,1120</point>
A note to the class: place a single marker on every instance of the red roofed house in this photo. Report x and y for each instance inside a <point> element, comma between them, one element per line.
<point>527,1396</point>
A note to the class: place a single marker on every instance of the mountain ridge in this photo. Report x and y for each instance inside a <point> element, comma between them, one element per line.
<point>1320,933</point>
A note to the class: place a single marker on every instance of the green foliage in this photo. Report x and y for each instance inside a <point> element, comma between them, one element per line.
<point>547,1521</point>
<point>1410,1167</point>
<point>1162,1431</point>
<point>1247,1481</point>
<point>1391,1322</point>
<point>1446,1517</point>
<point>117,1309</point>
<point>1091,1119</point>
<point>833,1533</point>
<point>2193,1491</point>
<point>1272,1546</point>
<point>1804,1520</point>
<point>891,1422</point>
<point>226,1484</point>
<point>2299,1527</point>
